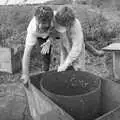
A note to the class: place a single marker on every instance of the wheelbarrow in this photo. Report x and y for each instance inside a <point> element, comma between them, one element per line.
<point>100,102</point>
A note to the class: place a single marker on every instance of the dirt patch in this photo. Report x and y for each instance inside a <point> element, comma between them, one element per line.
<point>13,103</point>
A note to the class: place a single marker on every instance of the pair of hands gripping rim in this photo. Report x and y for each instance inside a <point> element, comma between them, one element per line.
<point>25,80</point>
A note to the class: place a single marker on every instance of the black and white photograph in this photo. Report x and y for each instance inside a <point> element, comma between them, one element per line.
<point>59,59</point>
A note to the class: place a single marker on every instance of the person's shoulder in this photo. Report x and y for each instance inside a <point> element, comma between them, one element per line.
<point>32,25</point>
<point>76,29</point>
<point>76,26</point>
<point>77,23</point>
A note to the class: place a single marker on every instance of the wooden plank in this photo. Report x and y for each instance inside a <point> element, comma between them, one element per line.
<point>9,62</point>
<point>112,115</point>
<point>115,49</point>
<point>116,64</point>
<point>5,60</point>
<point>112,47</point>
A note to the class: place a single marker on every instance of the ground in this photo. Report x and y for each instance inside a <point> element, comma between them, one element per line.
<point>100,66</point>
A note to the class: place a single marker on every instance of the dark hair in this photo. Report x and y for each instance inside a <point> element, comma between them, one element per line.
<point>44,14</point>
<point>65,16</point>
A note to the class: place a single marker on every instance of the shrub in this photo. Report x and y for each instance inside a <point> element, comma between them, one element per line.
<point>97,29</point>
<point>6,32</point>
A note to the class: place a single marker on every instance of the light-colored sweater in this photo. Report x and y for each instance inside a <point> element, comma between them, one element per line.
<point>73,47</point>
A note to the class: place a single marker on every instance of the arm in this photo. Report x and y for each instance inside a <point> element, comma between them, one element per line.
<point>94,51</point>
<point>62,54</point>
<point>26,60</point>
<point>30,42</point>
<point>77,39</point>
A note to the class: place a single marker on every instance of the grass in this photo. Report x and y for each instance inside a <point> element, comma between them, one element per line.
<point>97,30</point>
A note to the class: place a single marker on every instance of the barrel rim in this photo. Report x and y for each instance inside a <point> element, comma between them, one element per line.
<point>71,96</point>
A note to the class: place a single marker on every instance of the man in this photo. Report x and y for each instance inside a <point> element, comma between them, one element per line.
<point>38,33</point>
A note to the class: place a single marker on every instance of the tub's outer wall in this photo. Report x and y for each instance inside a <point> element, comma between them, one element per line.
<point>110,98</point>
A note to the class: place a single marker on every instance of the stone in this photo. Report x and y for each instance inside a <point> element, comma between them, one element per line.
<point>13,103</point>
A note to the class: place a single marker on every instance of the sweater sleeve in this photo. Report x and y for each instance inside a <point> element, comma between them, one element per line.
<point>31,30</point>
<point>77,40</point>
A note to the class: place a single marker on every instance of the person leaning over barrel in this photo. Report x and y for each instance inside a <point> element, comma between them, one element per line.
<point>38,33</point>
<point>72,41</point>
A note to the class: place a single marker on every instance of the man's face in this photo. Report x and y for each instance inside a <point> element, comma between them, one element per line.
<point>44,27</point>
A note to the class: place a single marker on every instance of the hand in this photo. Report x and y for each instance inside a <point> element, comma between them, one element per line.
<point>25,79</point>
<point>101,53</point>
<point>45,47</point>
<point>61,68</point>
